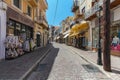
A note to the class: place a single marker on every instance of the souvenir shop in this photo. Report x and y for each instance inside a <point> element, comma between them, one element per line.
<point>115,38</point>
<point>18,40</point>
<point>79,37</point>
<point>19,35</point>
<point>82,40</point>
<point>115,31</point>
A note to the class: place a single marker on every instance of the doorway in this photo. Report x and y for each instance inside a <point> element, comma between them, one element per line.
<point>38,40</point>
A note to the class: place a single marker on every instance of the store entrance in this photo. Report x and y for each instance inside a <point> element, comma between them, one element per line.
<point>38,40</point>
<point>81,41</point>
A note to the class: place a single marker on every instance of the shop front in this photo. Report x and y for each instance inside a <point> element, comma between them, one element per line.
<point>95,37</point>
<point>66,37</point>
<point>19,38</point>
<point>115,38</point>
<point>115,31</point>
<point>79,37</point>
<point>95,34</point>
<point>38,39</point>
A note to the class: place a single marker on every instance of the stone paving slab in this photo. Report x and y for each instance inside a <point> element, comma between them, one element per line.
<point>16,68</point>
<point>92,57</point>
<point>62,63</point>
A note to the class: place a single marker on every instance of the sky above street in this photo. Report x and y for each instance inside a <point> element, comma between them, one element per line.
<point>56,14</point>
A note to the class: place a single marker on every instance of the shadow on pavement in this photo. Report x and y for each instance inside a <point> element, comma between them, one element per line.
<point>115,71</point>
<point>14,69</point>
<point>44,68</point>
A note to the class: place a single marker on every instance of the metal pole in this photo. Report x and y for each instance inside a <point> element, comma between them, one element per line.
<point>106,21</point>
<point>99,60</point>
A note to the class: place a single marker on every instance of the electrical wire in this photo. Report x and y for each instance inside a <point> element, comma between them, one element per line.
<point>55,11</point>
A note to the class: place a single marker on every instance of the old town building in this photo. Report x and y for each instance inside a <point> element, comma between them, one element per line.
<point>93,18</point>
<point>41,24</point>
<point>80,30</point>
<point>26,26</point>
<point>66,26</point>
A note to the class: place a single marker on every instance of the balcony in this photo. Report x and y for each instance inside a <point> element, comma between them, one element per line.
<point>42,21</point>
<point>33,2</point>
<point>78,15</point>
<point>75,6</point>
<point>114,3</point>
<point>90,14</point>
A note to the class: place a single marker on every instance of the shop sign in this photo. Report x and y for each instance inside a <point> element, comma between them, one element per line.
<point>19,17</point>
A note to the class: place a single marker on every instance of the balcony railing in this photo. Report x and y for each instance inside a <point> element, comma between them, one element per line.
<point>41,20</point>
<point>94,9</point>
<point>75,5</point>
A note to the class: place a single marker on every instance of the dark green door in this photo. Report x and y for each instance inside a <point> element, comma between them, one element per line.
<point>38,40</point>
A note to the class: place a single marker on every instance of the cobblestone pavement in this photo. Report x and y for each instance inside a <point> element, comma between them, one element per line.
<point>92,57</point>
<point>63,64</point>
<point>16,68</point>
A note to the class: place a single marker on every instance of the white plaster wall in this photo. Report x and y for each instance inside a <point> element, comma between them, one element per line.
<point>2,33</point>
<point>117,14</point>
<point>91,25</point>
<point>86,4</point>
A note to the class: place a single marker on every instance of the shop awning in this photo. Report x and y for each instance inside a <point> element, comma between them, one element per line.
<point>80,27</point>
<point>67,32</point>
<point>74,34</point>
<point>77,28</point>
<point>83,26</point>
<point>58,37</point>
<point>66,35</point>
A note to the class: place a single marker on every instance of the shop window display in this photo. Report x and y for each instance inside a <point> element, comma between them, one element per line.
<point>115,38</point>
<point>17,29</point>
<point>13,46</point>
<point>18,40</point>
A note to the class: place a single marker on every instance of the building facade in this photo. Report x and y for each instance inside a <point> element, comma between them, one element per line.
<point>41,24</point>
<point>25,25</point>
<point>93,18</point>
<point>66,26</point>
<point>80,30</point>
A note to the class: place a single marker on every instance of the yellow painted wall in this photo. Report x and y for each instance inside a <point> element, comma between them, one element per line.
<point>34,13</point>
<point>8,1</point>
<point>24,5</point>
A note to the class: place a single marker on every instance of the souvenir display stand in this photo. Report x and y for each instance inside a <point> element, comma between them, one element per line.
<point>17,46</point>
<point>13,46</point>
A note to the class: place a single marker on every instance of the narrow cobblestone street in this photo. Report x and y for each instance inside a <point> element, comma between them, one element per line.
<point>59,39</point>
<point>61,63</point>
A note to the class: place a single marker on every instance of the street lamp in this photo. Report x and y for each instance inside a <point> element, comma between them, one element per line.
<point>98,13</point>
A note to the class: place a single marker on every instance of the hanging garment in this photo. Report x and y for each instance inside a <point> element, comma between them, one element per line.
<point>26,46</point>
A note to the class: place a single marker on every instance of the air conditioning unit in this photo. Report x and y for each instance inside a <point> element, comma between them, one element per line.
<point>3,5</point>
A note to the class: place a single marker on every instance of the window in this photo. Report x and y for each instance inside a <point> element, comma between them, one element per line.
<point>17,3</point>
<point>11,27</point>
<point>29,10</point>
<point>17,29</point>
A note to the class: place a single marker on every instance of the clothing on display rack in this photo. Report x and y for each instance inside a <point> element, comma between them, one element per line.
<point>26,46</point>
<point>13,46</point>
